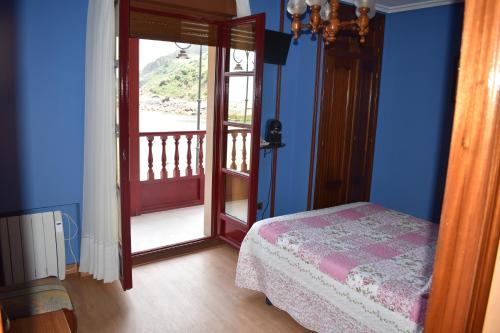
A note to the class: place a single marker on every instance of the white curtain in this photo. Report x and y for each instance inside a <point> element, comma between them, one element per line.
<point>243,8</point>
<point>99,246</point>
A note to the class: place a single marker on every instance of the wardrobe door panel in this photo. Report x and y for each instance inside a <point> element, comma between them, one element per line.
<point>334,134</point>
<point>361,141</point>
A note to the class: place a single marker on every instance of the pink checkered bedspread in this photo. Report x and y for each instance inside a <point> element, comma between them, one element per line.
<point>377,262</point>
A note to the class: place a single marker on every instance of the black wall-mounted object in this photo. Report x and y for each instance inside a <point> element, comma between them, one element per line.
<point>276,46</point>
<point>273,131</point>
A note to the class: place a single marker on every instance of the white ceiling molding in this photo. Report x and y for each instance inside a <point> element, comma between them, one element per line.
<point>396,6</point>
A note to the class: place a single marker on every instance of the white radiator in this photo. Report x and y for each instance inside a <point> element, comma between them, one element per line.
<point>32,247</point>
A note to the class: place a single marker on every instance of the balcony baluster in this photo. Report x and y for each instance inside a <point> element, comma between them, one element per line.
<point>164,173</point>
<point>151,174</point>
<point>189,170</point>
<point>177,171</point>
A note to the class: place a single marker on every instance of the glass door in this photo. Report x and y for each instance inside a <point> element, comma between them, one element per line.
<point>238,121</point>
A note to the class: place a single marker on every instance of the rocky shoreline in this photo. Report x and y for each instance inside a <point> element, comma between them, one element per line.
<point>171,105</point>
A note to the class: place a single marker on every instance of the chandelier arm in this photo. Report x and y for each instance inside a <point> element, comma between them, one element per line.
<point>296,26</point>
<point>334,10</point>
<point>315,19</point>
<point>363,23</point>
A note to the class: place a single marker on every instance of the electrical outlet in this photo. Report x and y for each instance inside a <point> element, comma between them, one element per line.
<point>260,205</point>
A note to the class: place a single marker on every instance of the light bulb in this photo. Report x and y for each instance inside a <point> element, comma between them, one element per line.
<point>365,4</point>
<point>316,2</point>
<point>296,7</point>
<point>325,12</point>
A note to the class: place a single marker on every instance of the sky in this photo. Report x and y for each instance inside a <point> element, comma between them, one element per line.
<point>150,50</point>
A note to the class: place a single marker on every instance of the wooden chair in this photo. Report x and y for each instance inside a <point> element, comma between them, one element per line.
<point>38,301</point>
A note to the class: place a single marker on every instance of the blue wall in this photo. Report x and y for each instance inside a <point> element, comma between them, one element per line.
<point>43,127</point>
<point>271,9</point>
<point>415,109</point>
<point>297,97</point>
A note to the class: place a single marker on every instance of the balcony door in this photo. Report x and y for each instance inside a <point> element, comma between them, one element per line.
<point>238,126</point>
<point>237,99</point>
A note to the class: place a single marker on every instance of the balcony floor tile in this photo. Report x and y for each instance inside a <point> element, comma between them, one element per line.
<point>170,227</point>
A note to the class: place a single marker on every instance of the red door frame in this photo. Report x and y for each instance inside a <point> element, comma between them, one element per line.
<point>126,250</point>
<point>124,29</point>
<point>134,124</point>
<point>224,221</point>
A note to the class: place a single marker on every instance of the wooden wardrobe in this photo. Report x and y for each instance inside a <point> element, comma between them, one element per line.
<point>348,116</point>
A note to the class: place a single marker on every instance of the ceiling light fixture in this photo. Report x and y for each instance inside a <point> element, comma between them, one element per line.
<point>324,18</point>
<point>182,52</point>
<point>238,66</point>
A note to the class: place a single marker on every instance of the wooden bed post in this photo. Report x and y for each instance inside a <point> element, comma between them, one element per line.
<point>470,221</point>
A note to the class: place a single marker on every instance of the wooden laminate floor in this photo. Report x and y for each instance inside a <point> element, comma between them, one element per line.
<point>190,293</point>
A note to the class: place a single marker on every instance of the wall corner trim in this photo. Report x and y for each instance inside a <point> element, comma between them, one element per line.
<point>411,5</point>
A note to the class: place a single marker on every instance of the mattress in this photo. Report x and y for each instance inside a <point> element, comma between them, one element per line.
<point>352,268</point>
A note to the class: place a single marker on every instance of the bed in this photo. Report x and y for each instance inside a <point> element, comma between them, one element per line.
<point>353,268</point>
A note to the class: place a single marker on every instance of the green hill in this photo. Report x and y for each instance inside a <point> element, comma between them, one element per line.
<point>169,77</point>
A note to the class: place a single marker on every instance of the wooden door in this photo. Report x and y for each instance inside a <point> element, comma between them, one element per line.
<point>470,220</point>
<point>363,131</point>
<point>238,126</point>
<point>123,148</point>
<point>351,75</point>
<point>339,83</point>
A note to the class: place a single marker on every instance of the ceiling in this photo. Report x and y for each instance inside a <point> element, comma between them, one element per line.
<point>395,6</point>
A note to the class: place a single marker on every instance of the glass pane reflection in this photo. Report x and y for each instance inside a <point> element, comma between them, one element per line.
<point>236,197</point>
<point>238,149</point>
<point>240,99</point>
